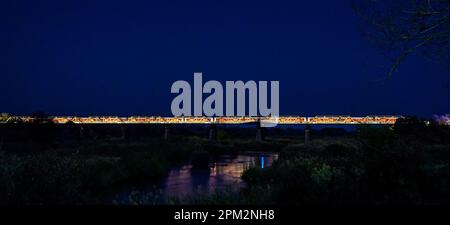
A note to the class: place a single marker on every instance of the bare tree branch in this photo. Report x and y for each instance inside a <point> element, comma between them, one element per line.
<point>403,28</point>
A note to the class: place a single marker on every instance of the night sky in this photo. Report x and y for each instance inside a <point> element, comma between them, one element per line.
<point>121,57</point>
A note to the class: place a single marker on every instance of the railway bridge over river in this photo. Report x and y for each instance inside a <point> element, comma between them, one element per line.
<point>214,121</point>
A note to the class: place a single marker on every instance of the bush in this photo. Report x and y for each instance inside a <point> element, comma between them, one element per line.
<point>41,179</point>
<point>101,173</point>
<point>376,136</point>
<point>144,165</point>
<point>292,151</point>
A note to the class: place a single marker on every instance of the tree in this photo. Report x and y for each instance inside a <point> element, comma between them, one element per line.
<point>407,27</point>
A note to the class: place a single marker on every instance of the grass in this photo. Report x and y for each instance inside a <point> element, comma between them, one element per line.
<point>377,166</point>
<point>79,173</point>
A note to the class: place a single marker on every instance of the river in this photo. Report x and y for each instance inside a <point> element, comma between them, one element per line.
<point>183,181</point>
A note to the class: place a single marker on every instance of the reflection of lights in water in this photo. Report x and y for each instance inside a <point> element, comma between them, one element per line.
<point>182,181</point>
<point>262,162</point>
<point>222,173</point>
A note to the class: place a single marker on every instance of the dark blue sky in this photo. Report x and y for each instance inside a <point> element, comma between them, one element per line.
<point>121,57</point>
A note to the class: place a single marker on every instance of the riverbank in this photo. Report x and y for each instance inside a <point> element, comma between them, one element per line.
<point>82,173</point>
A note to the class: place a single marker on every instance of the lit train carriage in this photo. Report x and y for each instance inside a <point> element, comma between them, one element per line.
<point>159,119</point>
<point>330,120</point>
<point>316,120</point>
<point>125,120</point>
<point>60,120</point>
<point>141,119</point>
<point>196,120</point>
<point>223,119</point>
<point>121,120</point>
<point>132,119</point>
<point>321,120</point>
<point>340,119</point>
<point>170,119</point>
<point>367,120</point>
<point>155,119</point>
<point>288,120</point>
<point>152,119</point>
<point>79,120</point>
<point>387,119</point>
<point>270,120</point>
<point>235,120</point>
<point>74,119</point>
<point>93,120</point>
<point>381,119</point>
<point>304,119</point>
<point>359,120</point>
<point>346,120</point>
<point>70,119</point>
<point>98,119</point>
<point>84,119</point>
<point>135,119</point>
<point>110,119</point>
<point>249,119</point>
<point>293,120</point>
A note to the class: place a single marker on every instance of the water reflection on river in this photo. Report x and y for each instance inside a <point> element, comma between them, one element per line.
<point>184,181</point>
<point>225,172</point>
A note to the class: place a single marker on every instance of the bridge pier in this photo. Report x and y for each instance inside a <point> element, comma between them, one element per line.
<point>123,134</point>
<point>212,132</point>
<point>166,131</point>
<point>81,132</point>
<point>259,135</point>
<point>92,133</point>
<point>307,134</point>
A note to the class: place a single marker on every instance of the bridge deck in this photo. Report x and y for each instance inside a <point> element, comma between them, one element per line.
<point>220,120</point>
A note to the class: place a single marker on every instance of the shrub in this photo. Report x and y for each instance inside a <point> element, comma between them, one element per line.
<point>41,179</point>
<point>144,165</point>
<point>100,173</point>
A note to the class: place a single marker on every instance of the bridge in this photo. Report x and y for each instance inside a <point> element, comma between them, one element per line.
<point>214,121</point>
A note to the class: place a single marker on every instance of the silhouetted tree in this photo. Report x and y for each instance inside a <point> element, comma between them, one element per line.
<point>403,28</point>
<point>420,130</point>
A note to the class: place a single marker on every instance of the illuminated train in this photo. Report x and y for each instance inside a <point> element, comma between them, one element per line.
<point>217,120</point>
